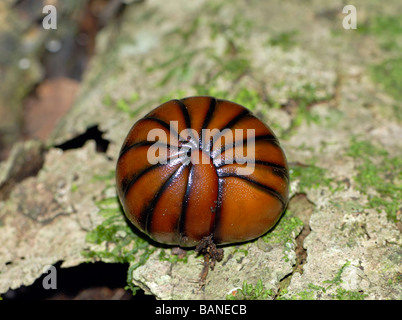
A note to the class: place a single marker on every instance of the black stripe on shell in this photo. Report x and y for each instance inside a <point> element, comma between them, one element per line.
<point>267,189</point>
<point>187,120</point>
<point>207,120</point>
<point>127,183</point>
<point>184,110</point>
<point>147,214</point>
<point>125,149</point>
<point>275,168</point>
<point>190,180</point>
<point>231,123</point>
<point>236,119</point>
<point>272,139</point>
<point>216,237</point>
<point>208,116</point>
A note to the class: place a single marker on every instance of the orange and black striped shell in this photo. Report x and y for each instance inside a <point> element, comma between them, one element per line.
<point>180,202</point>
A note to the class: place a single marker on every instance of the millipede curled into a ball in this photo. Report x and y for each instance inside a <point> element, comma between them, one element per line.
<point>185,202</point>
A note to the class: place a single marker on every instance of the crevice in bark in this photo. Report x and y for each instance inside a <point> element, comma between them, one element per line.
<point>303,208</point>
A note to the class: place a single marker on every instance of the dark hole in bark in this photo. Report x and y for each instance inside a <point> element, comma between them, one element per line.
<point>88,281</point>
<point>92,133</point>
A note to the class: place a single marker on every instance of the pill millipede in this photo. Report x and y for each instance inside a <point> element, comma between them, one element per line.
<point>202,193</point>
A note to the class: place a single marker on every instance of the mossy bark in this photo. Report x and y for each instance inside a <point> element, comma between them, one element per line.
<point>298,70</point>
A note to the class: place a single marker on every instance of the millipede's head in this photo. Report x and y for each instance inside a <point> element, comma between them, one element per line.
<point>202,166</point>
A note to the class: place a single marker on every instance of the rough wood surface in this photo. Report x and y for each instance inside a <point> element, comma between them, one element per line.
<point>316,84</point>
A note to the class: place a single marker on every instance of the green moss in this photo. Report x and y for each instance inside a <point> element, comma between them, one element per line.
<point>395,279</point>
<point>314,290</point>
<point>118,241</point>
<point>364,149</point>
<point>376,170</point>
<point>239,27</point>
<point>285,232</point>
<point>114,240</point>
<point>310,177</point>
<point>308,294</point>
<point>316,287</point>
<point>74,187</point>
<point>187,31</point>
<point>176,94</point>
<point>302,295</point>
<point>286,40</point>
<point>231,67</point>
<point>248,98</point>
<point>342,294</point>
<point>251,292</point>
<point>107,101</point>
<point>183,66</point>
<point>388,74</point>
<point>126,105</point>
<point>173,258</point>
<point>178,68</point>
<point>338,276</point>
<point>104,177</point>
<point>107,177</point>
<point>305,97</point>
<point>386,29</point>
<point>239,249</point>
